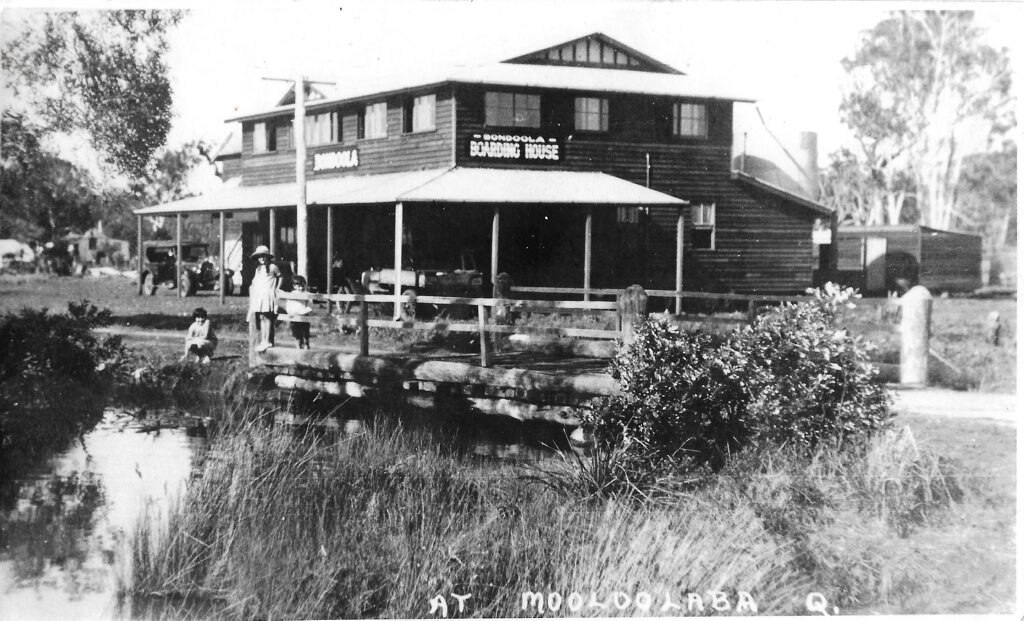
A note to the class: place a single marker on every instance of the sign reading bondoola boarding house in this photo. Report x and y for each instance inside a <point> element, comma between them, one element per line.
<point>333,160</point>
<point>507,147</point>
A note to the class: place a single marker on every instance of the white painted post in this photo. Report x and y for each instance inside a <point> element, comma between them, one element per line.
<point>177,256</point>
<point>495,223</point>
<point>679,259</point>
<point>301,216</point>
<point>915,329</point>
<point>399,231</point>
<point>330,257</point>
<point>139,250</point>
<point>588,252</point>
<point>272,233</point>
<point>223,261</point>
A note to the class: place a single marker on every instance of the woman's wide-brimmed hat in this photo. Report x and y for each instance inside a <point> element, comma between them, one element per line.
<point>261,251</point>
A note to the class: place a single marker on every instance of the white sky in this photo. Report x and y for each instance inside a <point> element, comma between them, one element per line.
<point>785,54</point>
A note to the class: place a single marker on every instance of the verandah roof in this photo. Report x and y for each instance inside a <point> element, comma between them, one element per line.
<point>456,185</point>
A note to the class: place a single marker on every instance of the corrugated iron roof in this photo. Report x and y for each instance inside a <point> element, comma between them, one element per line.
<point>513,75</point>
<point>459,185</point>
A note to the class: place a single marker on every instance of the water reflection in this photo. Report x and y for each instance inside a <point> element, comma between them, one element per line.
<point>61,536</point>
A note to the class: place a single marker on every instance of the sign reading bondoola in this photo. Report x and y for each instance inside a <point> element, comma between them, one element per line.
<point>515,147</point>
<point>331,160</point>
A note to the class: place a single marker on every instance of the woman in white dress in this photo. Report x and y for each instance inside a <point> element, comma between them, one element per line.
<point>263,296</point>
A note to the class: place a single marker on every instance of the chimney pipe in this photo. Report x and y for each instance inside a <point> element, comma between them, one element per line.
<point>809,164</point>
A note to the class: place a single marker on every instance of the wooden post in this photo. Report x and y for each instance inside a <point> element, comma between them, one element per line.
<point>330,257</point>
<point>495,222</point>
<point>399,232</point>
<point>915,328</point>
<point>632,308</point>
<point>272,233</point>
<point>995,327</point>
<point>364,317</point>
<point>301,215</point>
<point>751,312</point>
<point>177,255</point>
<point>502,312</point>
<point>139,250</point>
<point>253,336</point>
<point>588,252</point>
<point>481,316</point>
<point>223,260</point>
<point>679,259</point>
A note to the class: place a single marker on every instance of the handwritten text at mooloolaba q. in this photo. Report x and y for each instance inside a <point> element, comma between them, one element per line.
<point>619,602</point>
<point>666,603</point>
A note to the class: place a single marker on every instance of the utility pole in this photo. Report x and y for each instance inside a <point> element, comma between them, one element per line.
<point>299,140</point>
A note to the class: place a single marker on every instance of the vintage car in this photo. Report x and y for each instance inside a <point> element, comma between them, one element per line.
<point>198,271</point>
<point>461,282</point>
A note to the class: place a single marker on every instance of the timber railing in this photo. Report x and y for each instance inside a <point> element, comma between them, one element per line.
<point>495,315</point>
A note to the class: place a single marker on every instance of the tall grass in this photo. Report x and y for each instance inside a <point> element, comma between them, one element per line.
<point>381,523</point>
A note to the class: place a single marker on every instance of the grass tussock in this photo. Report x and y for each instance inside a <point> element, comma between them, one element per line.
<point>380,523</point>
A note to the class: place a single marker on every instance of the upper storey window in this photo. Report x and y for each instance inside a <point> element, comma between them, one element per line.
<point>690,120</point>
<point>591,114</point>
<point>419,114</point>
<point>323,128</point>
<point>264,138</point>
<point>374,121</point>
<point>512,110</point>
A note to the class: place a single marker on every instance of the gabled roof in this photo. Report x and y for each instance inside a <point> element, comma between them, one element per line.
<point>312,94</point>
<point>595,50</point>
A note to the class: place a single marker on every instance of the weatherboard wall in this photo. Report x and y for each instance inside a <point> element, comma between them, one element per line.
<point>396,152</point>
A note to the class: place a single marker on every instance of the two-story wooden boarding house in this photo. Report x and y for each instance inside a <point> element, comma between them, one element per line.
<point>586,164</point>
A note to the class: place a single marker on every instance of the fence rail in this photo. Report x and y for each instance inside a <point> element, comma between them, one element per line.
<point>502,309</point>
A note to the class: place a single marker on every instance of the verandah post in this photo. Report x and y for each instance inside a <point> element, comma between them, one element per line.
<point>330,258</point>
<point>138,249</point>
<point>364,318</point>
<point>679,260</point>
<point>588,252</point>
<point>399,232</point>
<point>177,256</point>
<point>223,261</point>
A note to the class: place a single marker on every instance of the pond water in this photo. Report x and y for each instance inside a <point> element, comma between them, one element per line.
<point>64,530</point>
<point>62,536</point>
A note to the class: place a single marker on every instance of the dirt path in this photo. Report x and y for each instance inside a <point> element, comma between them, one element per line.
<point>942,402</point>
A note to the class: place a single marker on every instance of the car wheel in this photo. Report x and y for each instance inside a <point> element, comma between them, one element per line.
<point>148,288</point>
<point>187,286</point>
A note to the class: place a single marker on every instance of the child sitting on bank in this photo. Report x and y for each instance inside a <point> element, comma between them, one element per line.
<point>298,311</point>
<point>200,340</point>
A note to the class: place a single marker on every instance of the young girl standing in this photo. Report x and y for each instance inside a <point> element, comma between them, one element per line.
<point>263,296</point>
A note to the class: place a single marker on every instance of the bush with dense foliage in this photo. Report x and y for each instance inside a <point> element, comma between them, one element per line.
<point>53,369</point>
<point>688,400</point>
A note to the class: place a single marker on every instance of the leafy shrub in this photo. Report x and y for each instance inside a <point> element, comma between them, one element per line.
<point>683,398</point>
<point>688,400</point>
<point>41,345</point>
<point>809,381</point>
<point>53,373</point>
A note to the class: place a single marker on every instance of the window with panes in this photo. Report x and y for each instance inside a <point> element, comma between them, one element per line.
<point>419,114</point>
<point>591,114</point>
<point>690,120</point>
<point>703,217</point>
<point>374,121</point>
<point>511,109</point>
<point>264,137</point>
<point>323,128</point>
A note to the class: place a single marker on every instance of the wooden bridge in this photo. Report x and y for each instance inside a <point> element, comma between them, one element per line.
<point>495,381</point>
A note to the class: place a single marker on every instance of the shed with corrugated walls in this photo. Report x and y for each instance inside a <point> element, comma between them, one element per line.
<point>880,259</point>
